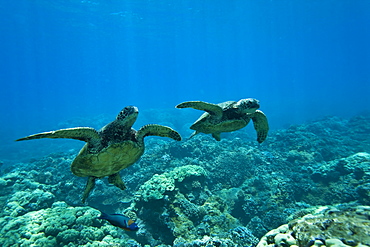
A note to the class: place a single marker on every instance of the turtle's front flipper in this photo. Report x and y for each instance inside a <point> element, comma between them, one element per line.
<point>260,125</point>
<point>116,180</point>
<point>157,130</point>
<point>89,186</point>
<point>212,109</point>
<point>80,133</point>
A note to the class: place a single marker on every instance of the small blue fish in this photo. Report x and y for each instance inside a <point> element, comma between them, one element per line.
<point>120,221</point>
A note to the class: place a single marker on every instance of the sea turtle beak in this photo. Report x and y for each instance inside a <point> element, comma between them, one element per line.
<point>132,110</point>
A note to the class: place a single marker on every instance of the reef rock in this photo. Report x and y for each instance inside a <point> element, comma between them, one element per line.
<point>176,208</point>
<point>59,225</point>
<point>341,225</point>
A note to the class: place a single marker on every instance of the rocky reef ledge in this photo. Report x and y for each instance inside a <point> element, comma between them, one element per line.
<point>340,225</point>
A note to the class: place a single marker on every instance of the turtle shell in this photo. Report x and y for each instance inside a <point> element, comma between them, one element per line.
<point>108,161</point>
<point>208,123</point>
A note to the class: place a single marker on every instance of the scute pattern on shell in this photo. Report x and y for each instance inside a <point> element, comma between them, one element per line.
<point>108,161</point>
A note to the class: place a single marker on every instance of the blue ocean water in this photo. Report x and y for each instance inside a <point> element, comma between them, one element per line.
<point>63,60</point>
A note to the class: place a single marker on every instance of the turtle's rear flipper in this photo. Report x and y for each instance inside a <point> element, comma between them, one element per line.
<point>89,186</point>
<point>116,180</point>
<point>260,125</point>
<point>80,133</point>
<point>212,109</point>
<point>217,136</point>
<point>193,134</point>
<point>157,130</point>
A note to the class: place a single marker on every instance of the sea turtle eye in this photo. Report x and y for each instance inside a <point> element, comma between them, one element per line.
<point>126,112</point>
<point>122,114</point>
<point>247,104</point>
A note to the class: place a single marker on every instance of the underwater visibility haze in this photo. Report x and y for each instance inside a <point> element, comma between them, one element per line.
<point>78,63</point>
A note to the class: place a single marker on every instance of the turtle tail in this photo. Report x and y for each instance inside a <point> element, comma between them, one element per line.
<point>157,130</point>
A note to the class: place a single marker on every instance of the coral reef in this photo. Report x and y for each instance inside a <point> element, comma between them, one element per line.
<point>178,209</point>
<point>198,192</point>
<point>345,179</point>
<point>341,225</point>
<point>59,225</point>
<point>158,185</point>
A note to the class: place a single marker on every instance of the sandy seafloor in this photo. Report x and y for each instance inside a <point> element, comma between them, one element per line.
<point>199,192</point>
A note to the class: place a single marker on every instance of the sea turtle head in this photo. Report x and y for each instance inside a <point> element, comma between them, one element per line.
<point>247,105</point>
<point>128,116</point>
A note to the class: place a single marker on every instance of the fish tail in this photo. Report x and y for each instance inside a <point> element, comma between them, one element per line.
<point>103,216</point>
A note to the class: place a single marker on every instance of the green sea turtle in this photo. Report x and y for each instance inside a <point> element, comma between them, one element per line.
<point>114,147</point>
<point>227,117</point>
